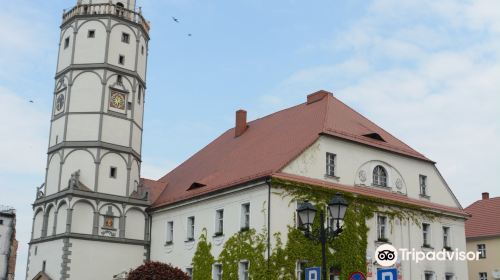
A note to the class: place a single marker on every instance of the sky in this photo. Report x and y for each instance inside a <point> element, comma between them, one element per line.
<point>427,71</point>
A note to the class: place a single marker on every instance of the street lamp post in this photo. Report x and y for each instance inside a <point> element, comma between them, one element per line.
<point>336,208</point>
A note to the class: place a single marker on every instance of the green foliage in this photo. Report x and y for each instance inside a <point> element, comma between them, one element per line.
<point>346,252</point>
<point>245,245</point>
<point>203,259</point>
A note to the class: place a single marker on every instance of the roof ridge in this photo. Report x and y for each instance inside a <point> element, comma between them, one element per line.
<point>365,118</point>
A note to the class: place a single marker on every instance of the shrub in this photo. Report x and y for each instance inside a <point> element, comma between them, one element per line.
<point>157,271</point>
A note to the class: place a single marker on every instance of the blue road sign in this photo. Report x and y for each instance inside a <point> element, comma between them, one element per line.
<point>387,274</point>
<point>313,273</point>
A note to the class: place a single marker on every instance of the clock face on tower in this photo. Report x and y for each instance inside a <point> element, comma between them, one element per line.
<point>117,100</point>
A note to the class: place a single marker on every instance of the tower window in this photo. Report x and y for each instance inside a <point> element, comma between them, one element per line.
<point>121,59</point>
<point>66,42</point>
<point>119,79</point>
<point>125,37</point>
<point>142,49</point>
<point>139,94</point>
<point>112,172</point>
<point>1,222</point>
<point>44,264</point>
<point>91,34</point>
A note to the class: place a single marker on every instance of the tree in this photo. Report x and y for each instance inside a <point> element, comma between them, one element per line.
<point>157,271</point>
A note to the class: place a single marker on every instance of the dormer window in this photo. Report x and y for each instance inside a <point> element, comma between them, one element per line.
<point>379,176</point>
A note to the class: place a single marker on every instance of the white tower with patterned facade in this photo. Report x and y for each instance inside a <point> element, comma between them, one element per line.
<point>89,216</point>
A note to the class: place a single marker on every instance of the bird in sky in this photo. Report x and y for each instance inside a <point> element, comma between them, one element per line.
<point>31,101</point>
<point>175,19</point>
<point>189,34</point>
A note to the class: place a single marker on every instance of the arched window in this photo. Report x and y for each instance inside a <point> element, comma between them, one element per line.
<point>379,176</point>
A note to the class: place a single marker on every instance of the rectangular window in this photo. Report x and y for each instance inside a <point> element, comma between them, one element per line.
<point>91,34</point>
<point>245,216</point>
<point>217,272</point>
<point>243,271</point>
<point>446,237</point>
<point>423,185</point>
<point>189,272</point>
<point>481,248</point>
<point>426,234</point>
<point>170,232</point>
<point>112,172</point>
<point>119,79</point>
<point>66,42</point>
<point>125,37</point>
<point>449,276</point>
<point>429,275</point>
<point>142,49</point>
<point>382,228</point>
<point>1,222</point>
<point>190,229</point>
<point>121,60</point>
<point>330,164</point>
<point>139,94</point>
<point>483,276</point>
<point>300,270</point>
<point>219,222</point>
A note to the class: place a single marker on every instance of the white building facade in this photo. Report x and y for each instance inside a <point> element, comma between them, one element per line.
<point>89,218</point>
<point>94,217</point>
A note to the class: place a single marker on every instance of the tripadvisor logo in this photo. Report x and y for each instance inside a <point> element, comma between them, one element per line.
<point>387,255</point>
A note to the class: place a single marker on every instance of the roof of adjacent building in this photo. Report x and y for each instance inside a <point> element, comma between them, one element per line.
<point>268,145</point>
<point>485,218</point>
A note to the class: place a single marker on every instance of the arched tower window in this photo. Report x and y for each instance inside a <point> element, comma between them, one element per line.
<point>379,176</point>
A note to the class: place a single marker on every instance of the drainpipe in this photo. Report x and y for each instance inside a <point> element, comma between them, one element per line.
<point>268,182</point>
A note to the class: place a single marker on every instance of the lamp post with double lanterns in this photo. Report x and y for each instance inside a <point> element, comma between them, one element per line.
<point>307,212</point>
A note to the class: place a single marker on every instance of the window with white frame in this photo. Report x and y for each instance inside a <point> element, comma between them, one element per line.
<point>446,237</point>
<point>423,185</point>
<point>243,270</point>
<point>381,228</point>
<point>481,248</point>
<point>170,232</point>
<point>300,270</point>
<point>429,275</point>
<point>189,272</point>
<point>379,176</point>
<point>426,235</point>
<point>483,276</point>
<point>217,272</point>
<point>330,164</point>
<point>245,216</point>
<point>219,222</point>
<point>190,229</point>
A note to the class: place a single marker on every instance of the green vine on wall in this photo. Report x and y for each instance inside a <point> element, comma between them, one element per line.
<point>203,258</point>
<point>347,252</point>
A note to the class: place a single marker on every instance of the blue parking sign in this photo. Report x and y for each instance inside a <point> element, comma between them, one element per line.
<point>387,274</point>
<point>313,273</point>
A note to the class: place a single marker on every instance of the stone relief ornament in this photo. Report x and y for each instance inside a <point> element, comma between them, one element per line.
<point>362,175</point>
<point>399,184</point>
<point>74,181</point>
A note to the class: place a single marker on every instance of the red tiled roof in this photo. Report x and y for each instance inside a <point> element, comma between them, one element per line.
<point>370,192</point>
<point>269,144</point>
<point>485,218</point>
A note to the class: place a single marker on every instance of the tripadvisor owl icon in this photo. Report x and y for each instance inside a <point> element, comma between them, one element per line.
<point>386,255</point>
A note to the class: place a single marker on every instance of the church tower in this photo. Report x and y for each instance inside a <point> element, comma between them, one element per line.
<point>89,215</point>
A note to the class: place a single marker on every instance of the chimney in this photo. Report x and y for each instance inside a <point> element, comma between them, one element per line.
<point>317,96</point>
<point>241,123</point>
<point>486,195</point>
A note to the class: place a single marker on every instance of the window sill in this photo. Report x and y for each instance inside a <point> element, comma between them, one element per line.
<point>333,177</point>
<point>382,241</point>
<point>425,196</point>
<point>428,247</point>
<point>218,234</point>
<point>447,248</point>
<point>169,243</point>
<point>381,186</point>
<point>189,240</point>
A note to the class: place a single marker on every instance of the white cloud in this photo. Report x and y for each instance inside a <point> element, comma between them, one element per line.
<point>427,79</point>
